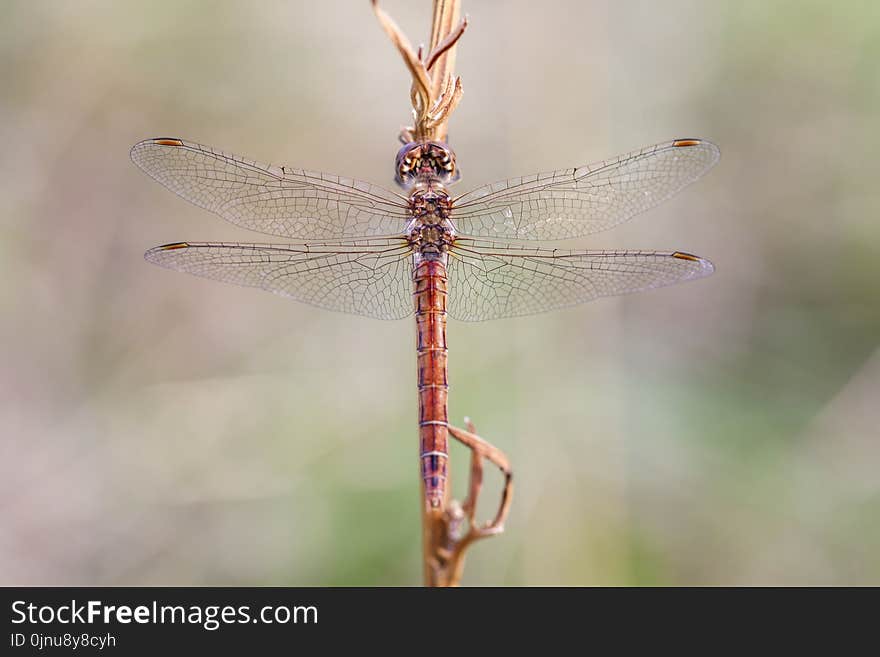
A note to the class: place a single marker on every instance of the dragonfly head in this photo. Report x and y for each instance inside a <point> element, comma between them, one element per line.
<point>429,161</point>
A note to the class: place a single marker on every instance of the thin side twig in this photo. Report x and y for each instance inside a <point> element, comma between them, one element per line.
<point>445,562</point>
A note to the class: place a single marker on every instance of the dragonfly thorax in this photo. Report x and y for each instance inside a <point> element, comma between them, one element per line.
<point>430,237</point>
<point>430,203</point>
<point>431,233</point>
<point>430,230</point>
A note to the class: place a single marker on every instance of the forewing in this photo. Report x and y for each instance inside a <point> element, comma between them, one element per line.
<point>275,200</point>
<point>575,202</point>
<point>372,278</point>
<point>491,280</point>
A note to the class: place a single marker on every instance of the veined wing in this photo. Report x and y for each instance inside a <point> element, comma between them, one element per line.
<point>369,277</point>
<point>575,202</point>
<point>491,280</point>
<point>270,199</point>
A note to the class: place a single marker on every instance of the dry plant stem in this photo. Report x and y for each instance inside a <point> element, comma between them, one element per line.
<point>435,90</point>
<point>441,61</point>
<point>434,95</point>
<point>421,82</point>
<point>480,450</point>
<point>444,555</point>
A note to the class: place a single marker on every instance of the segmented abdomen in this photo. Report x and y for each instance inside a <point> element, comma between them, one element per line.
<point>430,283</point>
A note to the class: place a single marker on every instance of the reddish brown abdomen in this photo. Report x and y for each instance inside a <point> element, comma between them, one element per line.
<point>430,282</point>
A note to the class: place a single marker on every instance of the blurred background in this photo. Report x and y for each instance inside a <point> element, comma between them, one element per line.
<point>163,429</point>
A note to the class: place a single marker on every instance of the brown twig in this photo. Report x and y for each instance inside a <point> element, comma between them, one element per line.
<point>435,90</point>
<point>444,558</point>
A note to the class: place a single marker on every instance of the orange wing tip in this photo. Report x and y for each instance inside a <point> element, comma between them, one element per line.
<point>167,142</point>
<point>684,143</point>
<point>172,247</point>
<point>686,256</point>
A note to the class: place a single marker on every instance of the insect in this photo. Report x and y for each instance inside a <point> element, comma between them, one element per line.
<point>365,250</point>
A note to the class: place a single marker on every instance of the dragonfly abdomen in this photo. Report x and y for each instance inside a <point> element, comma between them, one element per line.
<point>429,296</point>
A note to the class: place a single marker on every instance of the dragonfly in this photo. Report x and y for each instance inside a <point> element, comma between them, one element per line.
<point>366,250</point>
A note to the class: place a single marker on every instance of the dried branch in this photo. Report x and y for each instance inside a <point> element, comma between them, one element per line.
<point>444,562</point>
<point>421,80</point>
<point>445,45</point>
<point>435,91</point>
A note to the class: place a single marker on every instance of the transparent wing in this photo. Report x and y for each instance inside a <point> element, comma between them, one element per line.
<point>575,202</point>
<point>269,199</point>
<point>490,280</point>
<point>372,278</point>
